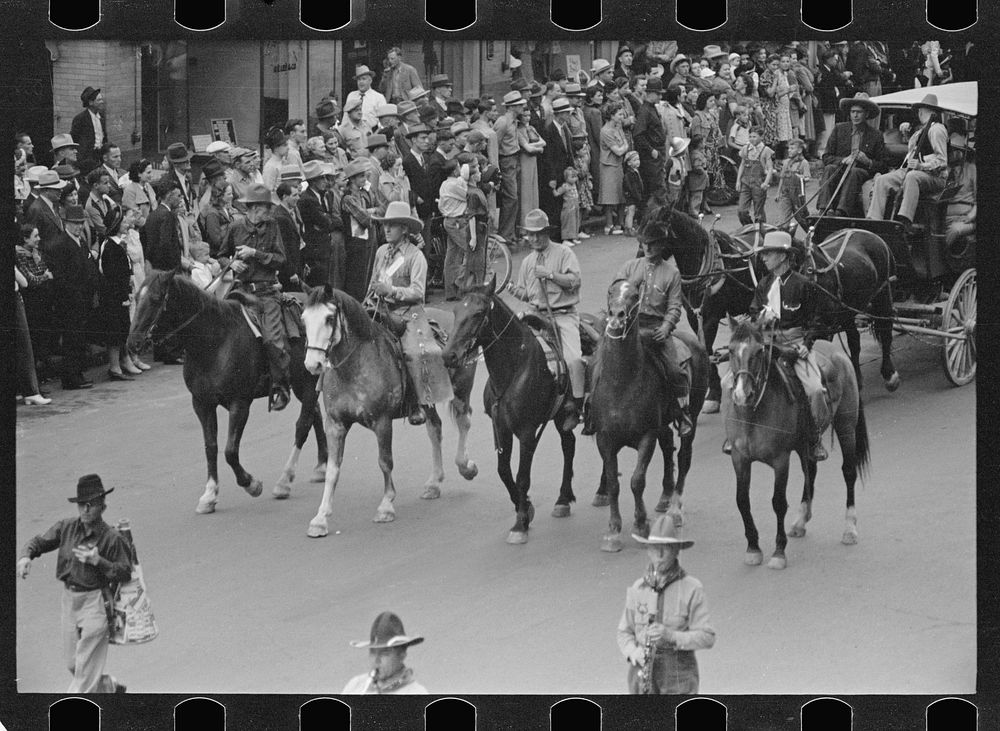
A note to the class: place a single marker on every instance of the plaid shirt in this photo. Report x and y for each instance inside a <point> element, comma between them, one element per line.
<point>33,271</point>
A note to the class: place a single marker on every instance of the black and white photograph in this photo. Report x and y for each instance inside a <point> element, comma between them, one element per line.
<point>461,367</point>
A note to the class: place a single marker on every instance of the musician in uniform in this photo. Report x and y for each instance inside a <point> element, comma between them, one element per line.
<point>398,282</point>
<point>254,251</point>
<point>92,556</point>
<point>389,675</point>
<point>665,619</point>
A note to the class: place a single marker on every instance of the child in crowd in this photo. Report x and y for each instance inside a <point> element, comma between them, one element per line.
<point>634,190</point>
<point>570,216</point>
<point>585,183</point>
<point>739,133</point>
<point>205,268</point>
<point>697,179</point>
<point>677,171</point>
<point>754,177</point>
<point>792,186</point>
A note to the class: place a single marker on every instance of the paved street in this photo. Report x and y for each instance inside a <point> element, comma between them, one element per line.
<point>247,603</point>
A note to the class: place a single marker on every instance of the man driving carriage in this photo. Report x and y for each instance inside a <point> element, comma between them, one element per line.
<point>854,141</point>
<point>658,280</point>
<point>783,300</point>
<point>253,250</point>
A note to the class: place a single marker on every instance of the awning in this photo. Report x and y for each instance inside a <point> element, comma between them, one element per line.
<point>961,98</point>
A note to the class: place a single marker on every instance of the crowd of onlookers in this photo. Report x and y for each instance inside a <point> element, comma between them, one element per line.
<point>592,151</point>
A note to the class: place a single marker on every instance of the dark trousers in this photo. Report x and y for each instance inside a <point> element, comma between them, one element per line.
<point>849,197</point>
<point>27,381</point>
<point>38,310</point>
<point>508,199</point>
<point>272,330</point>
<point>653,180</point>
<point>71,321</point>
<point>356,269</point>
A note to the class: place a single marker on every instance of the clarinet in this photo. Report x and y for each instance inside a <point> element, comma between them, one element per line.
<point>646,671</point>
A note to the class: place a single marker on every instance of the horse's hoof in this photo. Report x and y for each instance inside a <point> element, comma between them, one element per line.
<point>753,558</point>
<point>319,474</point>
<point>469,470</point>
<point>662,506</point>
<point>205,508</point>
<point>431,492</point>
<point>710,407</point>
<point>797,531</point>
<point>384,516</point>
<point>777,562</point>
<point>601,501</point>
<point>255,488</point>
<point>560,511</point>
<point>850,537</point>
<point>892,383</point>
<point>611,543</point>
<point>317,531</point>
<point>281,492</point>
<point>516,537</point>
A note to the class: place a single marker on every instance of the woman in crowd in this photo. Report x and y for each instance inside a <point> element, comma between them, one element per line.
<point>115,293</point>
<point>315,149</point>
<point>706,125</point>
<point>594,121</point>
<point>36,295</point>
<point>217,218</point>
<point>138,194</point>
<point>392,182</point>
<point>614,145</point>
<point>277,143</point>
<point>21,187</point>
<point>335,149</point>
<point>775,93</point>
<point>532,145</point>
<point>26,377</point>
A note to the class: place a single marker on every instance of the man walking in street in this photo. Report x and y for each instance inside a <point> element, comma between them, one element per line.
<point>93,556</point>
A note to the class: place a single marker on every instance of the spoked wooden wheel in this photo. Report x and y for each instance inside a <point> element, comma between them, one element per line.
<point>959,318</point>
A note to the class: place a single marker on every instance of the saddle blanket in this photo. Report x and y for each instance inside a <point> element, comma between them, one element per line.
<point>291,316</point>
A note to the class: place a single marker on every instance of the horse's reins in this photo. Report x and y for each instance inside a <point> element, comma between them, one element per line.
<point>629,319</point>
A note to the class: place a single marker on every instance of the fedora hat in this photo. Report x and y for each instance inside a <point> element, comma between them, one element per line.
<point>513,99</point>
<point>623,48</point>
<point>930,101</point>
<point>89,487</point>
<point>654,85</point>
<point>74,214</point>
<point>35,170</point>
<point>356,167</point>
<point>599,66</point>
<point>712,51</point>
<point>63,140</point>
<point>257,193</point>
<point>387,630</point>
<point>418,129</point>
<point>377,141</point>
<point>678,145</point>
<point>574,89</point>
<point>313,169</point>
<point>88,95</point>
<point>561,105</point>
<point>387,110</point>
<point>178,152</point>
<point>416,93</point>
<point>352,103</point>
<point>288,173</point>
<point>363,70</point>
<point>676,60</point>
<point>217,146</point>
<point>537,90</point>
<point>50,179</point>
<point>66,172</point>
<point>776,241</point>
<point>864,101</point>
<point>536,220</point>
<point>399,212</point>
<point>519,84</point>
<point>212,169</point>
<point>460,127</point>
<point>440,80</point>
<point>326,109</point>
<point>406,107</point>
<point>663,532</point>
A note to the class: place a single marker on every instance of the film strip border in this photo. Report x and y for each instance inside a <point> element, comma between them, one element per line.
<point>456,714</point>
<point>452,16</point>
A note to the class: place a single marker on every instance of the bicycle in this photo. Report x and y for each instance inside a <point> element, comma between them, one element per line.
<point>722,186</point>
<point>498,260</point>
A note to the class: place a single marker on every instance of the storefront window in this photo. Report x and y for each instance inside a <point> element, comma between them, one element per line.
<point>164,95</point>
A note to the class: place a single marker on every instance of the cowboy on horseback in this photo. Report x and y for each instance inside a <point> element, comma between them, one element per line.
<point>399,280</point>
<point>549,281</point>
<point>658,280</point>
<point>783,299</point>
<point>253,250</point>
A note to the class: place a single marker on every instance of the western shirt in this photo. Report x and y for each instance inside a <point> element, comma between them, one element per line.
<point>685,612</point>
<point>506,130</point>
<point>659,286</point>
<point>558,259</point>
<point>114,563</point>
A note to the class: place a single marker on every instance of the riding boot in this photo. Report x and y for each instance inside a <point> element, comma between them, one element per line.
<point>572,411</point>
<point>682,420</point>
<point>280,391</point>
<point>414,411</point>
<point>727,447</point>
<point>817,453</point>
<point>588,420</point>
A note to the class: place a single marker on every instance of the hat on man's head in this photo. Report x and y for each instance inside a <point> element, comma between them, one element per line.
<point>356,167</point>
<point>406,107</point>
<point>352,103</point>
<point>32,173</point>
<point>444,132</point>
<point>712,51</point>
<point>88,487</point>
<point>377,141</point>
<point>574,89</point>
<point>399,212</point>
<point>776,241</point>
<point>561,104</point>
<point>428,114</point>
<point>418,129</point>
<point>536,220</point>
<point>257,193</point>
<point>217,147</point>
<point>460,127</point>
<point>599,66</point>
<point>213,169</point>
<point>387,629</point>
<point>654,232</point>
<point>66,172</point>
<point>676,60</point>
<point>50,179</point>
<point>513,99</point>
<point>88,95</point>
<point>387,110</point>
<point>519,84</point>
<point>326,109</point>
<point>654,85</point>
<point>290,173</point>
<point>930,101</point>
<point>440,80</point>
<point>416,93</point>
<point>313,169</point>
<point>664,532</point>
<point>363,71</point>
<point>623,48</point>
<point>62,140</point>
<point>864,101</point>
<point>454,106</point>
<point>537,90</point>
<point>178,152</point>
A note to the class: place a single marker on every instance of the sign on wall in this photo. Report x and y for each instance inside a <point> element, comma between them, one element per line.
<point>224,130</point>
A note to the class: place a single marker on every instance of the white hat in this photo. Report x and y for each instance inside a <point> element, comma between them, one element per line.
<point>217,146</point>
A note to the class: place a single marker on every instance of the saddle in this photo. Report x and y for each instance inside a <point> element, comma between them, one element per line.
<point>291,312</point>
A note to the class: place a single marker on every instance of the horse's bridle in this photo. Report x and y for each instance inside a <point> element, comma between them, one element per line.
<point>630,320</point>
<point>328,350</point>
<point>761,374</point>
<point>159,312</point>
<point>479,334</point>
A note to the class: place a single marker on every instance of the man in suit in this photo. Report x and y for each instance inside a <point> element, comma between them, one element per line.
<point>435,161</point>
<point>650,141</point>
<point>322,255</point>
<point>399,77</point>
<point>69,261</point>
<point>290,226</point>
<point>415,167</point>
<point>90,126</point>
<point>558,156</point>
<point>831,87</point>
<point>43,213</point>
<point>163,248</point>
<point>99,202</point>
<point>855,142</point>
<point>111,161</point>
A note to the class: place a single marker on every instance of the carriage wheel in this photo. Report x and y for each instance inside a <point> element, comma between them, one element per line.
<point>723,191</point>
<point>498,262</point>
<point>959,316</point>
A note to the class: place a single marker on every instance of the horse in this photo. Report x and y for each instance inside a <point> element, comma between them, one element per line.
<point>223,365</point>
<point>758,412</point>
<point>363,382</point>
<point>630,407</point>
<point>521,395</point>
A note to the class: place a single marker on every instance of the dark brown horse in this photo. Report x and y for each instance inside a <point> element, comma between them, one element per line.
<point>223,366</point>
<point>630,407</point>
<point>520,396</point>
<point>765,425</point>
<point>363,383</point>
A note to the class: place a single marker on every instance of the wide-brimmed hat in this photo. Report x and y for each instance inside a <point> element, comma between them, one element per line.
<point>50,179</point>
<point>88,95</point>
<point>678,145</point>
<point>288,173</point>
<point>519,84</point>
<point>513,99</point>
<point>460,127</point>
<point>67,172</point>
<point>930,101</point>
<point>356,167</point>
<point>387,631</point>
<point>440,80</point>
<point>257,193</point>
<point>326,109</point>
<point>537,90</point>
<point>74,214</point>
<point>352,103</point>
<point>574,89</point>
<point>399,212</point>
<point>62,140</point>
<point>561,104</point>
<point>776,241</point>
<point>213,169</point>
<point>363,70</point>
<point>862,100</point>
<point>664,532</point>
<point>387,110</point>
<point>178,152</point>
<point>406,107</point>
<point>676,60</point>
<point>622,49</point>
<point>313,169</point>
<point>89,487</point>
<point>416,93</point>
<point>599,66</point>
<point>536,220</point>
<point>712,51</point>
<point>655,85</point>
<point>376,141</point>
<point>217,147</point>
<point>32,173</point>
<point>418,129</point>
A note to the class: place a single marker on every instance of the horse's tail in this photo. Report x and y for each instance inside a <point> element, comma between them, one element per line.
<point>861,445</point>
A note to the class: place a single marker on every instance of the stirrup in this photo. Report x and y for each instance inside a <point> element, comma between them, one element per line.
<point>727,447</point>
<point>417,417</point>
<point>817,452</point>
<point>278,399</point>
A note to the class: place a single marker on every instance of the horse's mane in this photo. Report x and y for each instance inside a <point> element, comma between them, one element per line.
<point>688,239</point>
<point>747,330</point>
<point>187,288</point>
<point>358,321</point>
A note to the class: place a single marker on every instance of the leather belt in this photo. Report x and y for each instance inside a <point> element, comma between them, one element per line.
<point>79,589</point>
<point>256,287</point>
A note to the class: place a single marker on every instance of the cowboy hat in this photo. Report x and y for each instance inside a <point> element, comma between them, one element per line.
<point>678,145</point>
<point>313,169</point>
<point>418,129</point>
<point>513,99</point>
<point>930,101</point>
<point>212,169</point>
<point>63,140</point>
<point>387,110</point>
<point>363,71</point>
<point>50,179</point>
<point>676,60</point>
<point>356,167</point>
<point>536,220</point>
<point>74,214</point>
<point>387,631</point>
<point>776,241</point>
<point>663,532</point>
<point>326,109</point>
<point>440,80</point>
<point>599,66</point>
<point>399,212</point>
<point>712,51</point>
<point>217,147</point>
<point>417,92</point>
<point>377,141</point>
<point>178,152</point>
<point>257,193</point>
<point>861,100</point>
<point>66,172</point>
<point>88,95</point>
<point>89,487</point>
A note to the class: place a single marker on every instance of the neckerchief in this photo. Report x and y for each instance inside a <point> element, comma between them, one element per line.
<point>659,582</point>
<point>403,677</point>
